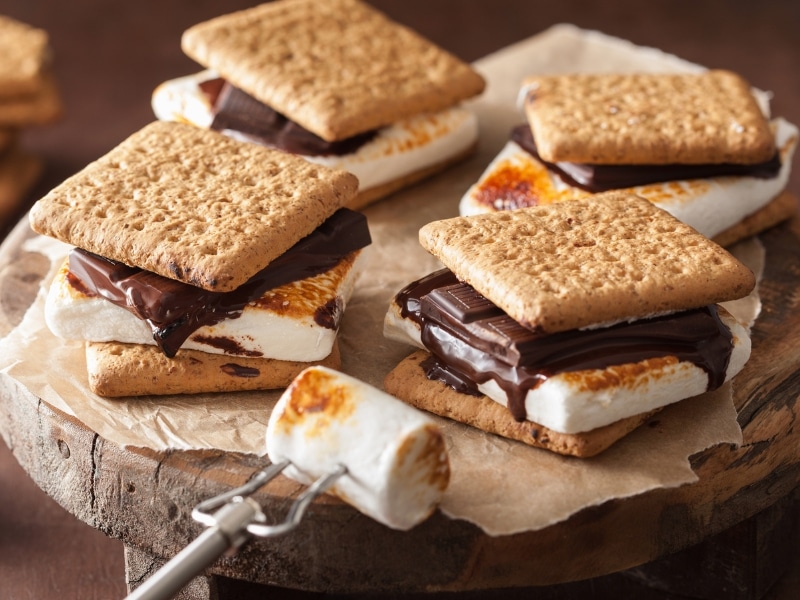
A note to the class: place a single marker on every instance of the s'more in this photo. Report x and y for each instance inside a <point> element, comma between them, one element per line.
<point>335,82</point>
<point>698,145</point>
<point>565,326</point>
<point>201,263</point>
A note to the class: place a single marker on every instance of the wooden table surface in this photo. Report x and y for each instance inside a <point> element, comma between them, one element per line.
<point>109,57</point>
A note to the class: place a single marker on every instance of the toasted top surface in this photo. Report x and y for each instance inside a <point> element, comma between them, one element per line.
<point>24,52</point>
<point>192,204</point>
<point>337,67</point>
<point>601,259</point>
<point>710,117</point>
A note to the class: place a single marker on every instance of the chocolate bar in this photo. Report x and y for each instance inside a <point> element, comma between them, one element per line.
<point>601,178</point>
<point>471,336</point>
<point>174,310</point>
<point>238,111</point>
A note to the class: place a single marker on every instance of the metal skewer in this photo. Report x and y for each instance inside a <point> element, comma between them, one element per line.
<point>236,519</point>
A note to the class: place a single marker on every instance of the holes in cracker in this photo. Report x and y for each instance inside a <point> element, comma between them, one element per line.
<point>583,243</point>
<point>135,225</point>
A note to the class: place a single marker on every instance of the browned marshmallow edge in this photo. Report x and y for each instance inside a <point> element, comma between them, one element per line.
<point>646,118</point>
<point>338,67</point>
<point>597,260</point>
<point>408,382</point>
<point>192,204</point>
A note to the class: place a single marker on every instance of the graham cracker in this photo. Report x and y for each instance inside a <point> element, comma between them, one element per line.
<point>645,118</point>
<point>25,53</point>
<point>38,108</point>
<point>192,204</point>
<point>779,209</point>
<point>117,370</point>
<point>601,259</point>
<point>409,383</point>
<point>337,67</point>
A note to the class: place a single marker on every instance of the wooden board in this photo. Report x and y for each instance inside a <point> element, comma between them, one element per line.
<point>145,498</point>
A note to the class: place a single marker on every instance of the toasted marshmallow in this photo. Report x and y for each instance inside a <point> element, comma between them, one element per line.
<point>396,458</point>
<point>396,151</point>
<point>183,101</point>
<point>283,324</point>
<point>579,401</point>
<point>709,205</point>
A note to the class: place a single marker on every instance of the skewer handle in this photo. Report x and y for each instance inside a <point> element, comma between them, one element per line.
<point>228,532</point>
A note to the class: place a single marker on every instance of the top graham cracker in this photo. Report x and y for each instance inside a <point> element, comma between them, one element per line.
<point>337,67</point>
<point>597,260</point>
<point>24,51</point>
<point>192,205</point>
<point>645,118</point>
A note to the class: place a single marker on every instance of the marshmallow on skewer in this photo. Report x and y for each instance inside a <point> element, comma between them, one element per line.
<point>396,459</point>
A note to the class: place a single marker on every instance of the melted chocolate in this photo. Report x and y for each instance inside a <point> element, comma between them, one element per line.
<point>237,111</point>
<point>329,314</point>
<point>174,310</point>
<point>469,349</point>
<point>600,178</point>
<point>235,370</point>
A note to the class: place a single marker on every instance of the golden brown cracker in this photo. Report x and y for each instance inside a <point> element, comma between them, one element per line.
<point>338,67</point>
<point>25,53</point>
<point>38,108</point>
<point>601,259</point>
<point>409,383</point>
<point>117,370</point>
<point>647,118</point>
<point>192,204</point>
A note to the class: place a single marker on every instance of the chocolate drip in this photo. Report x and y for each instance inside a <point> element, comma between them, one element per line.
<point>468,346</point>
<point>174,310</point>
<point>235,370</point>
<point>238,111</point>
<point>601,178</point>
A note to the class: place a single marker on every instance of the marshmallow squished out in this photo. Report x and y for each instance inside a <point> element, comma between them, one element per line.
<point>397,151</point>
<point>396,459</point>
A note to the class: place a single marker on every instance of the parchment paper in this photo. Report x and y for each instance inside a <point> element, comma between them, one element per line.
<point>492,478</point>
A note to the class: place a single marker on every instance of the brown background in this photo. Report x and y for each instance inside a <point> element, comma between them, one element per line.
<point>110,55</point>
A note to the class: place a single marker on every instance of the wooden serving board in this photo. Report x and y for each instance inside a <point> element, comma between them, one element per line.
<point>145,498</point>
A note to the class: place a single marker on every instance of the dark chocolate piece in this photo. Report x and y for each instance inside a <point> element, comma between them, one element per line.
<point>601,178</point>
<point>463,339</point>
<point>462,309</point>
<point>235,370</point>
<point>237,111</point>
<point>174,310</point>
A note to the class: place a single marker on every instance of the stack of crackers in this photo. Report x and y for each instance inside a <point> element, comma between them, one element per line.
<point>28,97</point>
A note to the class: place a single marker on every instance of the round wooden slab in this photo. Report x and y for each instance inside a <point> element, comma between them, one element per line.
<point>146,498</point>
